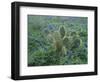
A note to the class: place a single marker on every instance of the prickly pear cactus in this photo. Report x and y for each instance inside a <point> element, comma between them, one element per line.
<point>63,42</point>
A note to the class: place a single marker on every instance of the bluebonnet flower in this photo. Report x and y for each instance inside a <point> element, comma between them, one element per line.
<point>49,17</point>
<point>69,53</point>
<point>50,26</point>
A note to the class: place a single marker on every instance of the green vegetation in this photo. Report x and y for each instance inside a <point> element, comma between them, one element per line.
<point>57,40</point>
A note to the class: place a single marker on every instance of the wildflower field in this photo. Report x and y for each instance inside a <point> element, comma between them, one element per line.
<point>57,40</point>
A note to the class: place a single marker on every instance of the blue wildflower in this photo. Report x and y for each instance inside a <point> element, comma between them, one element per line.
<point>50,26</point>
<point>49,17</point>
<point>69,53</point>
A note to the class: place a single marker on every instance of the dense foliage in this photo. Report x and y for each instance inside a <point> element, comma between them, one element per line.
<point>57,40</point>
